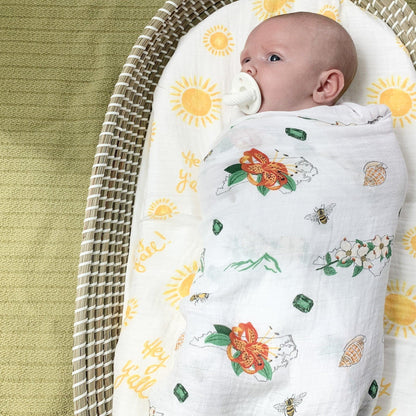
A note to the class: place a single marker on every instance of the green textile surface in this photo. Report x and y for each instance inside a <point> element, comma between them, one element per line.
<point>60,60</point>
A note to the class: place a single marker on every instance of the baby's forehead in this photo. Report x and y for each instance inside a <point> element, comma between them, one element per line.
<point>277,33</point>
<point>300,24</point>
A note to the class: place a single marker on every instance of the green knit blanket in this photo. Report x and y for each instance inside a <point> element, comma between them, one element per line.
<point>60,61</point>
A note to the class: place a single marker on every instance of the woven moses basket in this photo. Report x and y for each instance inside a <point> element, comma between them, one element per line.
<point>107,225</point>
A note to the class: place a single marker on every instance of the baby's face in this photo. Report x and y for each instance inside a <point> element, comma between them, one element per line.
<point>280,57</point>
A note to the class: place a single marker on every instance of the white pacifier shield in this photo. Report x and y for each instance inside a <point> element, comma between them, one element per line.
<point>245,93</point>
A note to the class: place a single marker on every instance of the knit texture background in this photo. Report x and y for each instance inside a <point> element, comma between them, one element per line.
<point>59,63</point>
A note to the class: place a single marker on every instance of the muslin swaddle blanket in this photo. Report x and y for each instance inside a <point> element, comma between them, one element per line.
<point>286,311</point>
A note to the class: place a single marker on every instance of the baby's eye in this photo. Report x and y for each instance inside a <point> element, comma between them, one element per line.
<point>274,58</point>
<point>245,60</point>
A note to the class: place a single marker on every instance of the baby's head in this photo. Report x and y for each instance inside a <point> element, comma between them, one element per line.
<point>299,60</point>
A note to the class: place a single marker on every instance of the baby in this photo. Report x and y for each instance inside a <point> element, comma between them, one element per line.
<point>299,60</point>
<point>299,210</point>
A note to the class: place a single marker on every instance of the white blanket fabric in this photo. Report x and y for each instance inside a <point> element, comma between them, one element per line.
<point>299,217</point>
<point>164,250</point>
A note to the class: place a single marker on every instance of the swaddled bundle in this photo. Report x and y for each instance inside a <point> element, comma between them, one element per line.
<point>299,216</point>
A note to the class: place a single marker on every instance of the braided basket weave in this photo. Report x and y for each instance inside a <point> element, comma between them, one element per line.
<point>107,224</point>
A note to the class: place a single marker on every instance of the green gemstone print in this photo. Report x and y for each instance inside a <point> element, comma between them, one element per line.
<point>303,303</point>
<point>372,391</point>
<point>296,133</point>
<point>217,227</point>
<point>180,392</point>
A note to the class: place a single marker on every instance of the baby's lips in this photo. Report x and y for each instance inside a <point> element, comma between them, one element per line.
<point>245,93</point>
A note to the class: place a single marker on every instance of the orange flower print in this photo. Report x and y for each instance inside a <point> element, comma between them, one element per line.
<point>274,175</point>
<point>245,349</point>
<point>266,175</point>
<point>249,354</point>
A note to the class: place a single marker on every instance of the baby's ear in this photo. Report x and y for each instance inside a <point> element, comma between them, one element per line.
<point>329,87</point>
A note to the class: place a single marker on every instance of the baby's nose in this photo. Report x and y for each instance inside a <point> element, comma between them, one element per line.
<point>249,68</point>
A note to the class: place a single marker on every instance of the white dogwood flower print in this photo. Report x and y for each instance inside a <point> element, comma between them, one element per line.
<point>362,256</point>
<point>345,252</point>
<point>381,245</point>
<point>371,255</point>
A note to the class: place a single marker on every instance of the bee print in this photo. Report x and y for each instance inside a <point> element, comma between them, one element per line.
<point>321,215</point>
<point>288,407</point>
<point>199,297</point>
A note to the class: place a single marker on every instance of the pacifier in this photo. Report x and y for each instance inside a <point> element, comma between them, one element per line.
<point>245,93</point>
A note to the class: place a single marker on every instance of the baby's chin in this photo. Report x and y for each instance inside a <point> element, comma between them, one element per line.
<point>276,106</point>
<point>266,109</point>
<point>282,107</point>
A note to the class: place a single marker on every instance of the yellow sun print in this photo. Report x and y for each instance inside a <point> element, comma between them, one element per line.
<point>264,9</point>
<point>402,46</point>
<point>378,409</point>
<point>180,284</point>
<point>131,310</point>
<point>400,309</point>
<point>180,340</point>
<point>162,209</point>
<point>196,100</point>
<point>399,95</point>
<point>153,132</point>
<point>409,241</point>
<point>384,387</point>
<point>218,40</point>
<point>331,12</point>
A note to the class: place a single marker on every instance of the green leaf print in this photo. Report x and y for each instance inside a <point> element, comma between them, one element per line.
<point>267,371</point>
<point>263,190</point>
<point>328,258</point>
<point>291,184</point>
<point>218,339</point>
<point>357,270</point>
<point>237,177</point>
<point>233,168</point>
<point>236,366</point>
<point>347,263</point>
<point>222,329</point>
<point>329,271</point>
<point>388,255</point>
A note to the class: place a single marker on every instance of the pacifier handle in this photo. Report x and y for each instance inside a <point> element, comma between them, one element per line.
<point>245,93</point>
